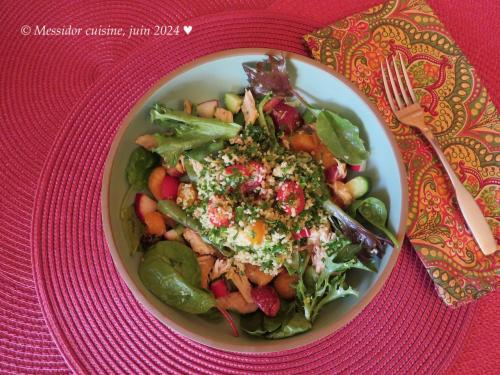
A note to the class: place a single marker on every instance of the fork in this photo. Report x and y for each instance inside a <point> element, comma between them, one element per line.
<point>408,111</point>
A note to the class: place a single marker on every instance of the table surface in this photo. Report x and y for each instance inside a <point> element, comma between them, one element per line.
<point>473,24</point>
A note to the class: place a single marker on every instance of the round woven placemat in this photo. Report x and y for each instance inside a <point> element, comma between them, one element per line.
<point>94,319</point>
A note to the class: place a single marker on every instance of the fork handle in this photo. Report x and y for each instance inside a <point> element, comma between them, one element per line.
<point>470,210</point>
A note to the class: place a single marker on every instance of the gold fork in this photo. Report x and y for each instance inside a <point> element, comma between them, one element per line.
<point>408,111</point>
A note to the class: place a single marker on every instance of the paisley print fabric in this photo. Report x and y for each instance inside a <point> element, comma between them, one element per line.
<point>461,115</point>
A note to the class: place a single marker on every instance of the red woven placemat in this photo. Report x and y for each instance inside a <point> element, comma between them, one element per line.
<point>97,323</point>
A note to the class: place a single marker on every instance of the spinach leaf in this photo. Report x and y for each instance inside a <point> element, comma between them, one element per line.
<point>133,228</point>
<point>171,272</point>
<point>297,324</point>
<point>373,210</point>
<point>341,137</point>
<point>288,322</point>
<point>212,315</point>
<point>284,314</point>
<point>239,118</point>
<point>140,165</point>
<point>172,210</point>
<point>253,323</point>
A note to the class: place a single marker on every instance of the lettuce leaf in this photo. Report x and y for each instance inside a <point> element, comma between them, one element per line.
<point>186,132</point>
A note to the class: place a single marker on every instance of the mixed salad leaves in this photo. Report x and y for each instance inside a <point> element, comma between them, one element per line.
<point>245,207</point>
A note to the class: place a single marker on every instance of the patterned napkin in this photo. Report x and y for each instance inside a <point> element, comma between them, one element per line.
<point>461,115</point>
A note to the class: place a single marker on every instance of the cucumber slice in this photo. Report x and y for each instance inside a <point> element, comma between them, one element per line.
<point>233,102</point>
<point>358,186</point>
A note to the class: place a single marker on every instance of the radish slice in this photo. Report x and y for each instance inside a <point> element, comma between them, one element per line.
<point>207,109</point>
<point>229,319</point>
<point>268,107</point>
<point>143,205</point>
<point>219,288</point>
<point>286,117</point>
<point>358,168</point>
<point>169,187</point>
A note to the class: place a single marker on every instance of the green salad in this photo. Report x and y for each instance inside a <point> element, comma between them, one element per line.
<point>255,205</point>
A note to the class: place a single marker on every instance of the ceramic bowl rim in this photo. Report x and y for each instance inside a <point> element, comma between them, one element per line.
<point>264,346</point>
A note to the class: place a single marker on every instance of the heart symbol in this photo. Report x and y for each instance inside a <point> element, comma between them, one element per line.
<point>187,29</point>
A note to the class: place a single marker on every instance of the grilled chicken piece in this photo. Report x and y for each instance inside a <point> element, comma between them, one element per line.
<point>248,108</point>
<point>188,106</point>
<point>147,141</point>
<point>241,282</point>
<point>197,244</point>
<point>221,266</point>
<point>234,301</point>
<point>256,276</point>
<point>342,193</point>
<point>206,263</point>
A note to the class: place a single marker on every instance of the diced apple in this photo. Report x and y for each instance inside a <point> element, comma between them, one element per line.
<point>148,141</point>
<point>223,114</point>
<point>155,182</point>
<point>143,205</point>
<point>207,109</point>
<point>172,235</point>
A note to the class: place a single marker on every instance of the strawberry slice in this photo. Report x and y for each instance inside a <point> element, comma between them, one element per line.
<point>303,233</point>
<point>291,197</point>
<point>237,168</point>
<point>220,213</point>
<point>257,174</point>
<point>267,299</point>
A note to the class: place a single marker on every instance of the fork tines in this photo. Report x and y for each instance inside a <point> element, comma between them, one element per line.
<point>397,92</point>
